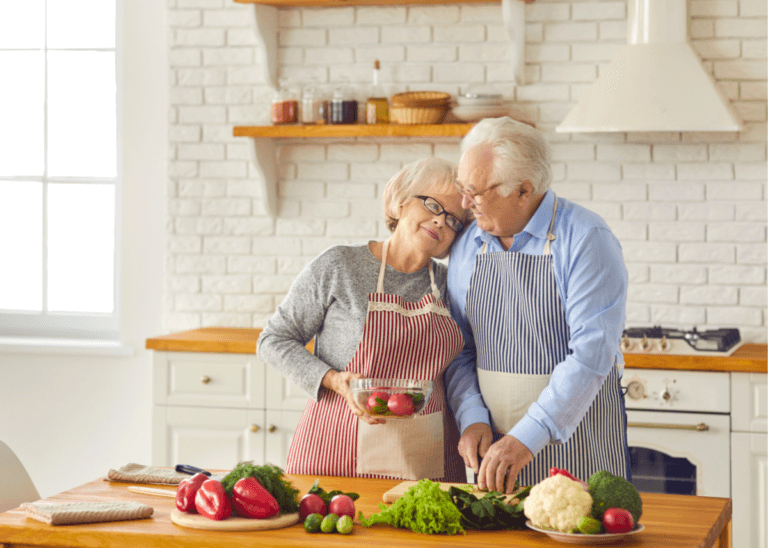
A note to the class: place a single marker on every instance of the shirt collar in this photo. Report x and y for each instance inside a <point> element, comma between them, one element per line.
<point>537,227</point>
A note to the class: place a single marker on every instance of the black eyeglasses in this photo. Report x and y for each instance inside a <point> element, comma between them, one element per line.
<point>434,207</point>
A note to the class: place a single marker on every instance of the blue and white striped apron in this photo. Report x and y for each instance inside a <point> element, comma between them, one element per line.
<point>521,334</point>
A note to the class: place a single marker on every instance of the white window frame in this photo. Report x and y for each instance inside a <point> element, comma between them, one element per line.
<point>17,328</point>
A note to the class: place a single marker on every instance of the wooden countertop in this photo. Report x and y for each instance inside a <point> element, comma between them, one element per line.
<point>750,358</point>
<point>670,521</point>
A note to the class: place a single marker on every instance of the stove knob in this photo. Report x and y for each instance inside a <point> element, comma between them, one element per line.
<point>636,390</point>
<point>626,344</point>
<point>664,344</point>
<point>666,395</point>
<point>645,344</point>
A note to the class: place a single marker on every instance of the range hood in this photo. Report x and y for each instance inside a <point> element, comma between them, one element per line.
<point>654,83</point>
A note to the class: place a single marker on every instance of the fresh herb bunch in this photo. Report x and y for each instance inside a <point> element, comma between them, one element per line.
<point>271,478</point>
<point>491,511</point>
<point>327,496</point>
<point>424,508</point>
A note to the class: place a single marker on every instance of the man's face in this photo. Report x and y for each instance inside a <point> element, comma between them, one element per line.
<point>501,216</point>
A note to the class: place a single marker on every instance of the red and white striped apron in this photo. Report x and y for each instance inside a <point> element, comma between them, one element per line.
<point>400,340</point>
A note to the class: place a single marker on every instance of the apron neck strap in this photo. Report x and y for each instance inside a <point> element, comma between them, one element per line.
<point>550,235</point>
<point>380,284</point>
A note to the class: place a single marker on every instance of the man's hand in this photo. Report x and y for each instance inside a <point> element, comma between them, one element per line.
<point>502,463</point>
<point>476,439</point>
<point>339,383</point>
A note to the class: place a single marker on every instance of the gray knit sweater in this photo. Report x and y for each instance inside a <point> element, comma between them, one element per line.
<point>329,301</point>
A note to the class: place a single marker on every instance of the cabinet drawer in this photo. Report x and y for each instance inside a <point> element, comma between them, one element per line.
<point>208,380</point>
<point>749,400</point>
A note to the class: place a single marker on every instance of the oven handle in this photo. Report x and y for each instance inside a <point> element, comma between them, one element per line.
<point>701,427</point>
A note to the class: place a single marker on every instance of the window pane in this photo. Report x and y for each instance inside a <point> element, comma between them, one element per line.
<point>22,24</point>
<point>81,114</point>
<point>81,247</point>
<point>81,24</point>
<point>22,113</point>
<point>21,244</point>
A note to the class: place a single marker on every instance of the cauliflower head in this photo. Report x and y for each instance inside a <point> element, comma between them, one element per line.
<point>557,503</point>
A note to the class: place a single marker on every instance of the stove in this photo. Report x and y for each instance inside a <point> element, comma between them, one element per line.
<point>663,340</point>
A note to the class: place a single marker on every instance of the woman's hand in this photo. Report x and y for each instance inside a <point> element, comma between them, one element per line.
<point>339,383</point>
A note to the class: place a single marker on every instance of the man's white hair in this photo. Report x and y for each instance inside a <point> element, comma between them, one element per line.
<point>519,151</point>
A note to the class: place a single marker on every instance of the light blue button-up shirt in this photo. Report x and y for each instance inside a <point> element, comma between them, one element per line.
<point>592,283</point>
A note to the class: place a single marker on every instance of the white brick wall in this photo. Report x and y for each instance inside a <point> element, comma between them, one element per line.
<point>689,209</point>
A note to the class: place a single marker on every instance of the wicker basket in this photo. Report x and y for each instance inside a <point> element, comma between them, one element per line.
<point>421,99</point>
<point>417,115</point>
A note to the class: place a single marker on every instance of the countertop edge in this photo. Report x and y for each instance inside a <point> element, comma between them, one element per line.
<point>750,358</point>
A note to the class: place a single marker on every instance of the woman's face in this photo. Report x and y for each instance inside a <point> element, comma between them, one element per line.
<point>426,231</point>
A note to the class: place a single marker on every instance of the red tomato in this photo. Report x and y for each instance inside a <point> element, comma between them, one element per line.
<point>342,505</point>
<point>618,520</point>
<point>311,504</point>
<point>375,407</point>
<point>400,404</point>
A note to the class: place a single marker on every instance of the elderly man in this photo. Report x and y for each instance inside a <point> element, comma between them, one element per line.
<point>538,286</point>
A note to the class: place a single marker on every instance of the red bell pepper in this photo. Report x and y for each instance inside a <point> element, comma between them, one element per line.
<point>251,500</point>
<point>212,501</point>
<point>186,491</point>
<point>563,472</point>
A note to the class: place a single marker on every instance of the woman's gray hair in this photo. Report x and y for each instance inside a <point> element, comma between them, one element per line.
<point>415,179</point>
<point>520,153</point>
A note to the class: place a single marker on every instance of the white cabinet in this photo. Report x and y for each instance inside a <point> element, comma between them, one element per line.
<point>749,459</point>
<point>214,410</point>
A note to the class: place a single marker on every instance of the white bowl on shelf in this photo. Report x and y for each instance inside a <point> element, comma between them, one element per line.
<point>479,100</point>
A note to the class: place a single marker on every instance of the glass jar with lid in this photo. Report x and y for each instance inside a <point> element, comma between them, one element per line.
<point>343,106</point>
<point>312,106</point>
<point>285,106</point>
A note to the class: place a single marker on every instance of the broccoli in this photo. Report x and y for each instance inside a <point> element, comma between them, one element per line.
<point>597,477</point>
<point>609,491</point>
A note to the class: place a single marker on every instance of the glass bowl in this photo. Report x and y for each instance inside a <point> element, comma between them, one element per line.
<point>391,398</point>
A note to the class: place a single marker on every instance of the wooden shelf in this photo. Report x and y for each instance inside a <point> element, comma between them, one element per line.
<point>327,3</point>
<point>353,130</point>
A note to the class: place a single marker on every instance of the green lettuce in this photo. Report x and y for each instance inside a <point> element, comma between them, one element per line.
<point>424,508</point>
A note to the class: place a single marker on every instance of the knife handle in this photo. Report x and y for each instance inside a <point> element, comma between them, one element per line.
<point>192,470</point>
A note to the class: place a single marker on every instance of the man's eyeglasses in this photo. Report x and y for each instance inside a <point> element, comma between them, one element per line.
<point>434,207</point>
<point>473,196</point>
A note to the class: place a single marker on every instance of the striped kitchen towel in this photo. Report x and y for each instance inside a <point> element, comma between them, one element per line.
<point>139,473</point>
<point>70,513</point>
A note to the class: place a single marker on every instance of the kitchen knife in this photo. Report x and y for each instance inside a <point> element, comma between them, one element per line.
<point>191,470</point>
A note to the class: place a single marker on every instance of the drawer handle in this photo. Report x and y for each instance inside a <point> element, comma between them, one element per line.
<point>272,429</point>
<point>701,427</point>
<point>206,379</point>
<point>255,428</point>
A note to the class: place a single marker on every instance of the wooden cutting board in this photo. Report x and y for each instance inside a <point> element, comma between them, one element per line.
<point>196,521</point>
<point>399,490</point>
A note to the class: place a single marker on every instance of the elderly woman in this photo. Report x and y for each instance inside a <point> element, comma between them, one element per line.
<point>375,310</point>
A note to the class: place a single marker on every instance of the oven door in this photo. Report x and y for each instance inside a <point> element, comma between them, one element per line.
<point>671,453</point>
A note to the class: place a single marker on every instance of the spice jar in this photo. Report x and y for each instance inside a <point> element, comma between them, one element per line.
<point>343,107</point>
<point>285,107</point>
<point>313,107</point>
